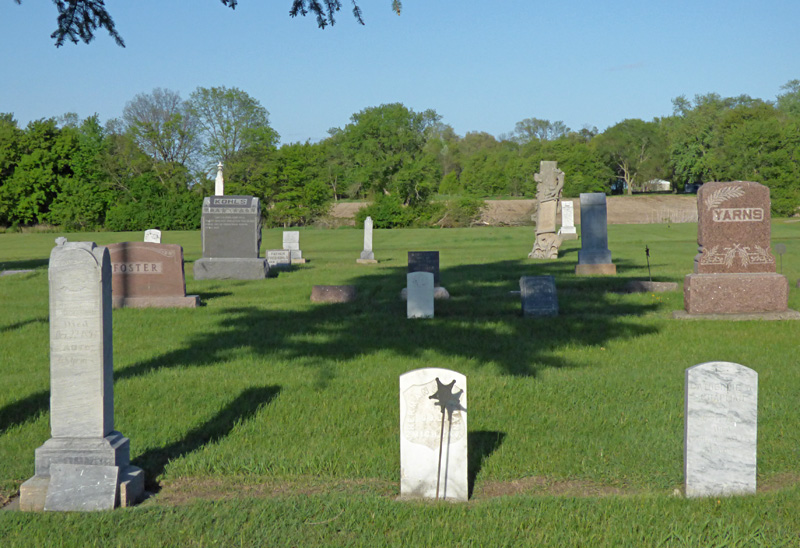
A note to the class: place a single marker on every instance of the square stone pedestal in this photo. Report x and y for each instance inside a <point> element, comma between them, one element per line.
<point>607,269</point>
<point>743,293</point>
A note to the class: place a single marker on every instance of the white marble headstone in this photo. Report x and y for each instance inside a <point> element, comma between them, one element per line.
<point>721,422</point>
<point>219,182</point>
<point>419,301</point>
<point>152,235</point>
<point>367,254</point>
<point>433,434</point>
<point>567,218</point>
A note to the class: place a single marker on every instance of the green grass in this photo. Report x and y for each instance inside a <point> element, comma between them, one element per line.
<point>577,421</point>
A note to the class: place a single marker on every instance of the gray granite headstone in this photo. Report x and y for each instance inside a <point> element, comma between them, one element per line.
<point>425,261</point>
<point>82,488</point>
<point>721,424</point>
<point>594,230</point>
<point>231,227</point>
<point>539,296</point>
<point>419,303</point>
<point>280,259</point>
<point>81,371</point>
<point>231,233</point>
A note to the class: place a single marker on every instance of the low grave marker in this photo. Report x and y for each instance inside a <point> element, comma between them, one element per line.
<point>419,302</point>
<point>538,294</point>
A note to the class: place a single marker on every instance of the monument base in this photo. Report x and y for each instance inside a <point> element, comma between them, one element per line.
<point>568,234</point>
<point>745,293</point>
<point>607,269</point>
<point>189,301</point>
<point>231,269</point>
<point>438,293</point>
<point>333,293</point>
<point>74,458</point>
<point>366,261</point>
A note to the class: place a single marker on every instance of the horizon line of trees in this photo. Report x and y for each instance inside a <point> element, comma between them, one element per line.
<point>152,166</point>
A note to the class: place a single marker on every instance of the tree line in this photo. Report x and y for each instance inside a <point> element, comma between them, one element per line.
<point>152,166</point>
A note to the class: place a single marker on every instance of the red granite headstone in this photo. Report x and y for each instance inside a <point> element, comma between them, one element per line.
<point>734,269</point>
<point>145,274</point>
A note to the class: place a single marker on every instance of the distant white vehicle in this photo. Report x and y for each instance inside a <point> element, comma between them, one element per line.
<point>657,185</point>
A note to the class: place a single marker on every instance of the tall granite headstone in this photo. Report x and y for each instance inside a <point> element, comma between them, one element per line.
<point>550,182</point>
<point>231,232</point>
<point>419,302</point>
<point>567,230</point>
<point>721,423</point>
<point>433,435</point>
<point>594,256</point>
<point>148,275</point>
<point>367,256</point>
<point>152,235</point>
<point>734,271</point>
<point>84,447</point>
<point>291,242</point>
<point>538,295</point>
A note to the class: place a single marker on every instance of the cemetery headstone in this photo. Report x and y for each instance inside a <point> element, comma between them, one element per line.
<point>734,271</point>
<point>550,182</point>
<point>419,303</point>
<point>425,261</point>
<point>291,241</point>
<point>333,293</point>
<point>433,435</point>
<point>152,235</point>
<point>594,257</point>
<point>367,256</point>
<point>279,259</point>
<point>567,230</point>
<point>721,430</point>
<point>538,295</point>
<point>231,233</point>
<point>219,182</point>
<point>148,275</point>
<point>83,445</point>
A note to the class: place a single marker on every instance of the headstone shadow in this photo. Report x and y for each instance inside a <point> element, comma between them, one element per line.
<point>21,411</point>
<point>481,445</point>
<point>245,406</point>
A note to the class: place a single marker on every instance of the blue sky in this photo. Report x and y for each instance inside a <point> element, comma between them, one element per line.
<point>483,66</point>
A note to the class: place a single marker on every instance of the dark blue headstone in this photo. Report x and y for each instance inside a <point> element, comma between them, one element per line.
<point>539,296</point>
<point>594,230</point>
<point>424,261</point>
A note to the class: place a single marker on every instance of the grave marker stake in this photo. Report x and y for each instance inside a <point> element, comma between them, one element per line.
<point>647,253</point>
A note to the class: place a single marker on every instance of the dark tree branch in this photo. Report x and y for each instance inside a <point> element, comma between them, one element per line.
<point>78,20</point>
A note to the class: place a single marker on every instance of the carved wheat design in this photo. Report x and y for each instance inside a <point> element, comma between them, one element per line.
<point>722,195</point>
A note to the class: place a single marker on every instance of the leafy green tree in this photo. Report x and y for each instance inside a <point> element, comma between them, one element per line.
<point>230,121</point>
<point>84,198</point>
<point>163,126</point>
<point>78,20</point>
<point>789,102</point>
<point>384,151</point>
<point>635,150</point>
<point>302,194</point>
<point>531,129</point>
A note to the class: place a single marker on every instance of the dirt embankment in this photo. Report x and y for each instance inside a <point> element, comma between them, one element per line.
<point>643,209</point>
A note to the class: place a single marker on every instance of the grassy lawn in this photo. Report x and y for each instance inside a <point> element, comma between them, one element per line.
<point>264,419</point>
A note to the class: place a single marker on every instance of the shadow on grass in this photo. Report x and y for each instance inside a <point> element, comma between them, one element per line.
<point>27,264</point>
<point>23,410</point>
<point>480,446</point>
<point>18,325</point>
<point>482,323</point>
<point>247,404</point>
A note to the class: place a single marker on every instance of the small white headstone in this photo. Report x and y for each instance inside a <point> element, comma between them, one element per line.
<point>152,235</point>
<point>367,255</point>
<point>419,302</point>
<point>567,220</point>
<point>219,183</point>
<point>721,426</point>
<point>433,434</point>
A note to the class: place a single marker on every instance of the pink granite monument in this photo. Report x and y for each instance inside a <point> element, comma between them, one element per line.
<point>734,271</point>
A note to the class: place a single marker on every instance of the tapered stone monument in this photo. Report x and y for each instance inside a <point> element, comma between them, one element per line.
<point>367,256</point>
<point>433,435</point>
<point>594,258</point>
<point>550,182</point>
<point>85,465</point>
